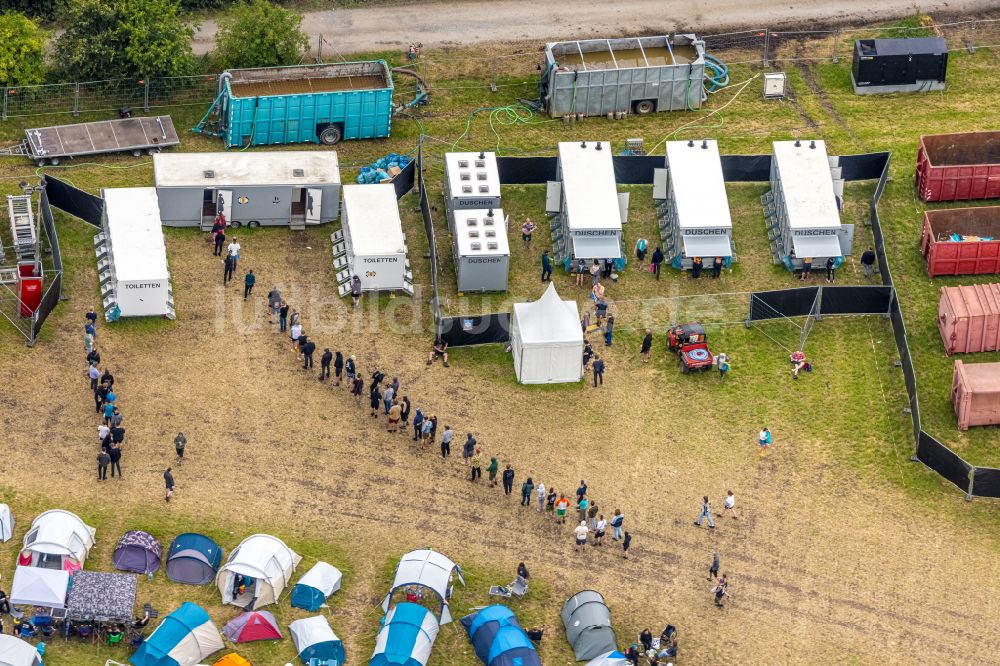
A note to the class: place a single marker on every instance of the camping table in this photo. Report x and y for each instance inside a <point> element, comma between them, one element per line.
<point>101,597</point>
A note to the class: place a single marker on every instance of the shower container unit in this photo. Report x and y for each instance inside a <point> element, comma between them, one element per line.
<point>481,250</point>
<point>639,75</point>
<point>471,181</point>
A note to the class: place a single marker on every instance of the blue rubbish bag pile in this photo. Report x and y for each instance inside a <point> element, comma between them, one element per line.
<point>378,171</point>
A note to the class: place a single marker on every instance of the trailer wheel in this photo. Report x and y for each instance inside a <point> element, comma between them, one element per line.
<point>152,151</point>
<point>235,224</point>
<point>54,161</point>
<point>331,135</point>
<point>136,153</point>
<point>40,163</point>
<point>253,224</point>
<point>644,107</point>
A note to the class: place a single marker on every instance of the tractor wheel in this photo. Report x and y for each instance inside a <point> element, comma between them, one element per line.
<point>684,368</point>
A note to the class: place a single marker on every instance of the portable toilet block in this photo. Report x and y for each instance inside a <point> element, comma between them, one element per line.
<point>471,180</point>
<point>373,236</point>
<point>695,219</point>
<point>132,255</point>
<point>481,250</point>
<point>802,209</point>
<point>585,200</point>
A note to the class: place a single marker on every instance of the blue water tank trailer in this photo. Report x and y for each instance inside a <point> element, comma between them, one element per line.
<point>302,104</point>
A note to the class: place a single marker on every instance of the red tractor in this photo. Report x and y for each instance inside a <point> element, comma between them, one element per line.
<point>691,345</point>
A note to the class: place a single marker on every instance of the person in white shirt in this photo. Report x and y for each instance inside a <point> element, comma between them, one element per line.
<point>540,493</point>
<point>296,333</point>
<point>730,504</point>
<point>580,532</point>
<point>234,252</point>
<point>602,525</point>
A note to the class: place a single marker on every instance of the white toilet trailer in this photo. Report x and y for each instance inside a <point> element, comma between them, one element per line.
<point>695,220</point>
<point>481,250</point>
<point>281,188</point>
<point>801,208</point>
<point>471,180</point>
<point>132,255</point>
<point>372,243</point>
<point>585,199</point>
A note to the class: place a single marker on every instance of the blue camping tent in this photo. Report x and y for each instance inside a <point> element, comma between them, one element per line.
<point>193,559</point>
<point>313,588</point>
<point>406,637</point>
<point>498,639</point>
<point>314,639</point>
<point>183,638</point>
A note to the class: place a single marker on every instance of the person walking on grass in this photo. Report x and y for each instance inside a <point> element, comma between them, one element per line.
<point>508,479</point>
<point>526,230</point>
<point>249,280</point>
<point>446,438</point>
<point>338,374</point>
<point>477,464</point>
<point>609,328</point>
<point>831,269</point>
<point>355,291</point>
<point>180,441</point>
<point>626,544</point>
<point>598,366</point>
<point>562,508</point>
<point>227,270</point>
<point>168,479</point>
<point>324,364</point>
<point>729,504</point>
<point>706,512</point>
<point>764,439</point>
<point>88,342</point>
<point>103,460</point>
<point>273,303</point>
<point>546,266</point>
<point>647,345</point>
<point>722,363</point>
<point>713,570</point>
<point>491,471</point>
<point>602,525</point>
<point>469,448</point>
<point>721,590</point>
<point>220,240</point>
<point>657,261</point>
<point>283,317</point>
<point>641,247</point>
<point>540,495</point>
<point>580,535</point>
<point>234,251</point>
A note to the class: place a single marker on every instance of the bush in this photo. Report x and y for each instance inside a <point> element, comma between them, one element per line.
<point>113,39</point>
<point>22,50</point>
<point>47,10</point>
<point>260,34</point>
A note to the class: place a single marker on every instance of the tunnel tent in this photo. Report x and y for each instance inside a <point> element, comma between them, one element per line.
<point>257,572</point>
<point>546,340</point>
<point>183,638</point>
<point>252,626</point>
<point>406,636</point>
<point>588,625</point>
<point>57,539</point>
<point>613,658</point>
<point>314,640</point>
<point>193,559</point>
<point>34,586</point>
<point>498,639</point>
<point>138,552</point>
<point>6,523</point>
<point>315,586</point>
<point>16,652</point>
<point>426,569</point>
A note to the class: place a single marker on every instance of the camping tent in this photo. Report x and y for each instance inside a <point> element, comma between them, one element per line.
<point>268,564</point>
<point>138,552</point>
<point>406,637</point>
<point>183,638</point>
<point>252,626</point>
<point>33,586</point>
<point>430,570</point>
<point>498,639</point>
<point>546,340</point>
<point>588,625</point>
<point>314,639</point>
<point>232,659</point>
<point>15,652</point>
<point>613,658</point>
<point>193,559</point>
<point>57,539</point>
<point>6,523</point>
<point>313,588</point>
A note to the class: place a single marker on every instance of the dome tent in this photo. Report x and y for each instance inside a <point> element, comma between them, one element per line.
<point>406,636</point>
<point>252,626</point>
<point>315,586</point>
<point>429,570</point>
<point>193,559</point>
<point>57,539</point>
<point>314,639</point>
<point>498,639</point>
<point>268,564</point>
<point>6,523</point>
<point>138,552</point>
<point>183,638</point>
<point>546,340</point>
<point>588,625</point>
<point>15,652</point>
<point>613,658</point>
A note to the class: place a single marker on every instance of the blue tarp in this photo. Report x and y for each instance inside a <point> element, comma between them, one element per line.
<point>498,639</point>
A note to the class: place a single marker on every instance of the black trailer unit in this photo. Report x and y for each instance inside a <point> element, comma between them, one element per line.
<point>916,64</point>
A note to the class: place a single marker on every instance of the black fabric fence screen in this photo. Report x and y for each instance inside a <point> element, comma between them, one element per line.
<point>854,300</point>
<point>76,202</point>
<point>404,180</point>
<point>53,291</point>
<point>943,460</point>
<point>986,482</point>
<point>477,330</point>
<point>782,303</point>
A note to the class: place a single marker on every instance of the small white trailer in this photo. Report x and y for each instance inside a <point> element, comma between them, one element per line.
<point>371,243</point>
<point>481,250</point>
<point>471,180</point>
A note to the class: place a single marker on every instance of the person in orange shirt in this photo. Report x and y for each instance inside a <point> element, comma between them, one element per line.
<point>562,506</point>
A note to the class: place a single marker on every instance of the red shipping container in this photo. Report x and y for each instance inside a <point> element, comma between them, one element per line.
<point>969,318</point>
<point>959,167</point>
<point>975,394</point>
<point>29,286</point>
<point>966,257</point>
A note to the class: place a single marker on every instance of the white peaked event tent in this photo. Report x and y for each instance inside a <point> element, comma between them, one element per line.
<point>547,340</point>
<point>267,562</point>
<point>57,537</point>
<point>33,586</point>
<point>427,569</point>
<point>6,523</point>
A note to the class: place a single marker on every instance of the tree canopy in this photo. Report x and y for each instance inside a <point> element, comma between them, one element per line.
<point>22,50</point>
<point>260,34</point>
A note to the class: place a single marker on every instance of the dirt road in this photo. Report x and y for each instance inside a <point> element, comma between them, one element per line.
<point>476,21</point>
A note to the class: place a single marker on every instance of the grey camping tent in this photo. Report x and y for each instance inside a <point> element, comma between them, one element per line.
<point>588,625</point>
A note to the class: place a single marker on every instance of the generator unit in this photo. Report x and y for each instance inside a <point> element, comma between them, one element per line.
<point>916,64</point>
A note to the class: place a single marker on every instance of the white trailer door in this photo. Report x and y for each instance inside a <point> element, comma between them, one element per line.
<point>314,205</point>
<point>224,203</point>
